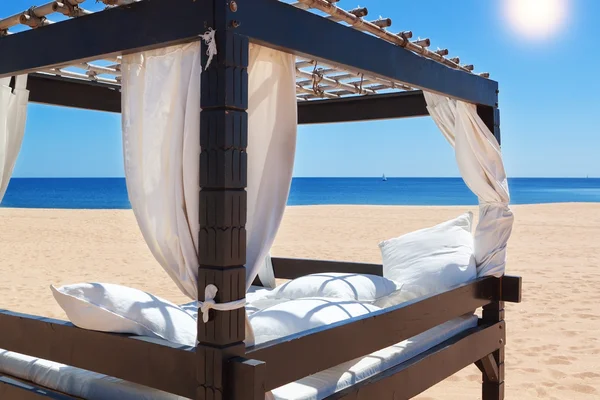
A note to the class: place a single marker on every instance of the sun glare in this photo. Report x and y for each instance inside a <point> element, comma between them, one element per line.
<point>536,19</point>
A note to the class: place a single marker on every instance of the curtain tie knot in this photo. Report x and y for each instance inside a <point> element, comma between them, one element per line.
<point>209,303</point>
<point>209,39</point>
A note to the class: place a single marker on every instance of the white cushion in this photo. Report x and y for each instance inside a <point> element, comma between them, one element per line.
<point>431,260</point>
<point>118,309</point>
<point>295,316</point>
<point>343,286</point>
<point>261,304</point>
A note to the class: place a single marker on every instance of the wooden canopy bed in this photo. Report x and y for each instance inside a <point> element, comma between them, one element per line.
<point>387,76</point>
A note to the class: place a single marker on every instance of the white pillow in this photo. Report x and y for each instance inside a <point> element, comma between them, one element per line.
<point>295,316</point>
<point>118,309</point>
<point>343,286</point>
<point>431,260</point>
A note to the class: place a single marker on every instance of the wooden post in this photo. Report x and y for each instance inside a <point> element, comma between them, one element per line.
<point>492,366</point>
<point>222,238</point>
<point>491,118</point>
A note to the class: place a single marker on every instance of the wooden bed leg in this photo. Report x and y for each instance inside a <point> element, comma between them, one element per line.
<point>250,378</point>
<point>223,206</point>
<point>493,382</point>
<point>492,366</point>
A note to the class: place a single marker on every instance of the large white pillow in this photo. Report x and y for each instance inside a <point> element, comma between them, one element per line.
<point>343,286</point>
<point>293,316</point>
<point>118,309</point>
<point>431,260</point>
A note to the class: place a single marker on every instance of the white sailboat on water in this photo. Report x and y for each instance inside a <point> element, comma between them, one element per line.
<point>384,178</point>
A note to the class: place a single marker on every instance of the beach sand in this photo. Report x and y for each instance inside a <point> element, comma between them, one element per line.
<point>553,345</point>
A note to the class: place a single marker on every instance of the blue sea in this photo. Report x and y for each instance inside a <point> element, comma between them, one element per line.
<point>111,193</point>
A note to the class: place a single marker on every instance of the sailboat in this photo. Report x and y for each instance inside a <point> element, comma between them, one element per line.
<point>384,178</point>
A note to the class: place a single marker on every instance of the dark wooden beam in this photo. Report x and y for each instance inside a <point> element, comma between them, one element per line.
<point>276,24</point>
<point>511,289</point>
<point>363,108</point>
<point>149,24</point>
<point>491,118</point>
<point>149,362</point>
<point>322,348</point>
<point>158,23</point>
<point>414,376</point>
<point>69,92</point>
<point>77,93</point>
<point>14,389</point>
<point>291,268</point>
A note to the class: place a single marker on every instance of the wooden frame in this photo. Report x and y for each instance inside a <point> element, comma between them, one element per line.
<point>172,368</point>
<point>207,371</point>
<point>155,363</point>
<point>70,92</point>
<point>158,23</point>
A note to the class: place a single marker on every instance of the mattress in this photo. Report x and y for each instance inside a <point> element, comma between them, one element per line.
<point>94,386</point>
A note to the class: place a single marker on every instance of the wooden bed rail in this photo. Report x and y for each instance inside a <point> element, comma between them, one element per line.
<point>321,348</point>
<point>429,368</point>
<point>291,268</point>
<point>155,363</point>
<point>14,389</point>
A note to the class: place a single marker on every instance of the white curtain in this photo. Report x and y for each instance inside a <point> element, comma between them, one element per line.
<point>161,146</point>
<point>480,163</point>
<point>161,125</point>
<point>272,124</point>
<point>13,114</point>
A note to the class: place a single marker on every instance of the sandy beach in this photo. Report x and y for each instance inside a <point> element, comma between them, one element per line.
<point>553,346</point>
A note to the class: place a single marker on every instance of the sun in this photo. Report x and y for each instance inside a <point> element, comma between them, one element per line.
<point>536,19</point>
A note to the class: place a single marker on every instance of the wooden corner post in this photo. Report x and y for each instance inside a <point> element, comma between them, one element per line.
<point>222,237</point>
<point>492,366</point>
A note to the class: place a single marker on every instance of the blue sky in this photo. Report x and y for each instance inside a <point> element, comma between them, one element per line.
<point>549,104</point>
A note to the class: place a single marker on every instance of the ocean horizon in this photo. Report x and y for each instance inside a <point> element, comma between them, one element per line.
<point>111,193</point>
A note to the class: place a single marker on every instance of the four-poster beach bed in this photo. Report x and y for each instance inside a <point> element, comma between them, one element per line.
<point>257,58</point>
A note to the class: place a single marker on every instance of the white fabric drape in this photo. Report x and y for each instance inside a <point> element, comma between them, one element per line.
<point>13,114</point>
<point>161,125</point>
<point>161,146</point>
<point>480,163</point>
<point>272,125</point>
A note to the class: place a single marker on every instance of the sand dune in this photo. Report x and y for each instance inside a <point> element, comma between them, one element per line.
<point>553,344</point>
